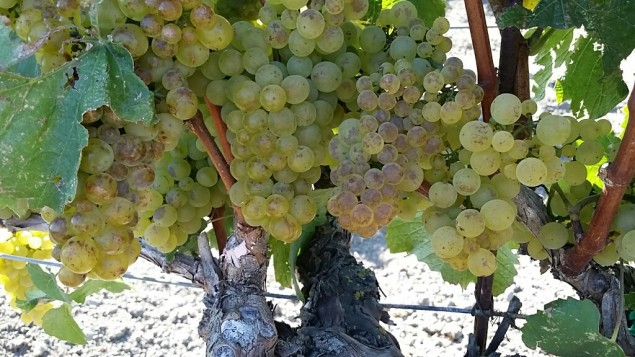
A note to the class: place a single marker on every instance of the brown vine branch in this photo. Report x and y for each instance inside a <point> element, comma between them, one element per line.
<point>483,53</point>
<point>198,127</point>
<point>617,178</point>
<point>488,81</point>
<point>221,130</point>
<point>217,218</point>
<point>484,301</point>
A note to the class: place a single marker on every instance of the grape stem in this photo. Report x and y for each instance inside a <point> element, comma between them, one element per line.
<point>424,188</point>
<point>489,82</point>
<point>221,130</point>
<point>216,218</point>
<point>186,266</point>
<point>617,178</point>
<point>483,54</point>
<point>574,212</point>
<point>197,125</point>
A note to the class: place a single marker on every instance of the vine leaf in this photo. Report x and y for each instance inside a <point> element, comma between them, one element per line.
<point>320,197</point>
<point>505,270</point>
<point>596,58</point>
<point>609,22</point>
<point>578,320</point>
<point>46,283</point>
<point>280,256</point>
<point>41,137</point>
<point>427,10</point>
<point>374,8</point>
<point>402,234</point>
<point>94,286</point>
<point>59,322</point>
<point>556,45</point>
<point>16,56</point>
<point>588,85</point>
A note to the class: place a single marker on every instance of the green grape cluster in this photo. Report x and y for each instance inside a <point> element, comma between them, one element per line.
<point>185,189</point>
<point>14,277</point>
<point>280,113</point>
<point>407,94</point>
<point>492,164</point>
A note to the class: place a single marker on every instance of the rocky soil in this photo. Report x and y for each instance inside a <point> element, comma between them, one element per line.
<point>160,319</point>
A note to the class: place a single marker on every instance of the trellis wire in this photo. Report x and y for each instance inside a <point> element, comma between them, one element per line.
<point>449,309</point>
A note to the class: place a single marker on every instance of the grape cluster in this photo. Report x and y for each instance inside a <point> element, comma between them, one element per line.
<point>135,180</point>
<point>408,95</point>
<point>185,189</point>
<point>493,163</point>
<point>280,113</point>
<point>94,234</point>
<point>14,277</point>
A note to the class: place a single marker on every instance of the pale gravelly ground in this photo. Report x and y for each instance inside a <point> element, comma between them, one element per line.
<point>162,319</point>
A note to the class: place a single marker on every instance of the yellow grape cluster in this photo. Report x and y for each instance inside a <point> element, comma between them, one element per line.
<point>134,180</point>
<point>473,211</point>
<point>14,277</point>
<point>407,94</point>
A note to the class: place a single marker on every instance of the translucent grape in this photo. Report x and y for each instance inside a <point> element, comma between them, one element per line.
<point>553,130</point>
<point>498,214</point>
<point>470,223</point>
<point>476,136</point>
<point>485,162</point>
<point>442,194</point>
<point>531,172</point>
<point>79,254</point>
<point>506,109</point>
<point>446,242</point>
<point>553,235</point>
<point>482,262</point>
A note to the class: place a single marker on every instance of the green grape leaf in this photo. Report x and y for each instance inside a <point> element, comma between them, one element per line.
<point>94,286</point>
<point>556,44</point>
<point>427,10</point>
<point>590,88</point>
<point>46,283</point>
<point>33,297</point>
<point>578,320</point>
<point>14,50</point>
<point>41,137</point>
<point>422,249</point>
<point>592,174</point>
<point>629,301</point>
<point>59,322</point>
<point>374,8</point>
<point>609,22</point>
<point>403,236</point>
<point>505,269</point>
<point>424,252</point>
<point>280,255</point>
<point>610,143</point>
<point>624,122</point>
<point>320,197</point>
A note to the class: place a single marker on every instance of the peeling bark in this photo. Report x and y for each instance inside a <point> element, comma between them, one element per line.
<point>238,320</point>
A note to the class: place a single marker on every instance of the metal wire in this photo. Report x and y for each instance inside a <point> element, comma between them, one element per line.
<point>448,309</point>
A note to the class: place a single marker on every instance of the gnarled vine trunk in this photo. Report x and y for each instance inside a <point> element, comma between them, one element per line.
<point>237,320</point>
<point>341,315</point>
